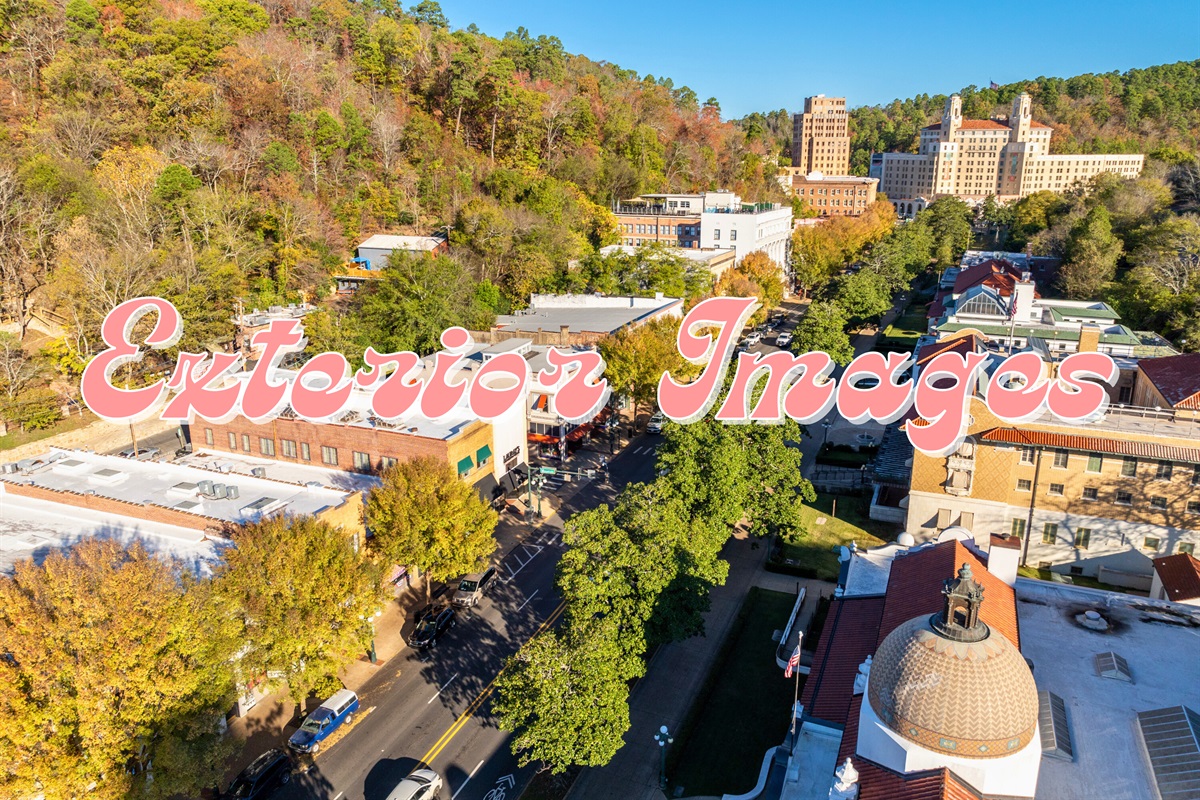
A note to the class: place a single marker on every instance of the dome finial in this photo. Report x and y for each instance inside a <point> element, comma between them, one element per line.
<point>959,619</point>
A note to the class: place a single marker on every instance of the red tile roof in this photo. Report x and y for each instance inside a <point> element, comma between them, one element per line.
<point>995,273</point>
<point>1177,378</point>
<point>1180,576</point>
<point>973,125</point>
<point>1038,125</point>
<point>1094,444</point>
<point>854,624</point>
<point>961,345</point>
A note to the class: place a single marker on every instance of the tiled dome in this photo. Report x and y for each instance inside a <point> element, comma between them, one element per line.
<point>963,690</point>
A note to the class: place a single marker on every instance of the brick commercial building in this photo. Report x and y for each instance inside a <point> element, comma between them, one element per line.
<point>821,136</point>
<point>830,195</point>
<point>972,159</point>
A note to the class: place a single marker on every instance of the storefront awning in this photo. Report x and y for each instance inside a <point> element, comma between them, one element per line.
<point>578,434</point>
<point>541,438</point>
<point>465,465</point>
<point>488,488</point>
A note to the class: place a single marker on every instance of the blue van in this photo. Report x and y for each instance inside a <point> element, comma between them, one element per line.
<point>323,721</point>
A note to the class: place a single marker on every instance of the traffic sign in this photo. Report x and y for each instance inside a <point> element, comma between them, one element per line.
<point>547,470</point>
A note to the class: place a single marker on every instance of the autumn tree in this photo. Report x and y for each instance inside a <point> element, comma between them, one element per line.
<point>113,657</point>
<point>423,515</point>
<point>636,358</point>
<point>301,590</point>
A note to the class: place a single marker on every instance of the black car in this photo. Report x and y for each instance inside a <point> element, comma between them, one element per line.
<point>431,624</point>
<point>266,774</point>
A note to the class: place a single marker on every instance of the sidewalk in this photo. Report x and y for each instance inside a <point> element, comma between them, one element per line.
<point>674,676</point>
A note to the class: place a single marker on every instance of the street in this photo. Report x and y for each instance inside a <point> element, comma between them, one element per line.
<point>437,711</point>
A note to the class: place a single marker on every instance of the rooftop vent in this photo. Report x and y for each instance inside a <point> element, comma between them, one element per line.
<point>219,491</point>
<point>1052,724</point>
<point>1112,665</point>
<point>70,466</point>
<point>205,487</point>
<point>232,492</point>
<point>107,476</point>
<point>184,488</point>
<point>259,472</point>
<point>9,469</point>
<point>190,506</point>
<point>1171,737</point>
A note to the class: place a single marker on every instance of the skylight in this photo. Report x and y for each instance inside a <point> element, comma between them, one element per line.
<point>1171,737</point>
<point>1052,724</point>
<point>1111,665</point>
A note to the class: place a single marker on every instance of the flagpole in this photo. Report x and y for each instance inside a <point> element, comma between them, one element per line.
<point>795,700</point>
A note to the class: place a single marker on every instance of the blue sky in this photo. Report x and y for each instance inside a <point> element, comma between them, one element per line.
<point>771,54</point>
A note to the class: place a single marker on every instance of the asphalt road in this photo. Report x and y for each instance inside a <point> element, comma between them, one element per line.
<point>436,711</point>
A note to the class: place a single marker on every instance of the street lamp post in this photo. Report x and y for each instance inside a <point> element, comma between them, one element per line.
<point>371,619</point>
<point>825,439</point>
<point>664,738</point>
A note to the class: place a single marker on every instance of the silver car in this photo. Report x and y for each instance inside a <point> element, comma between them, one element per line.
<point>471,588</point>
<point>423,784</point>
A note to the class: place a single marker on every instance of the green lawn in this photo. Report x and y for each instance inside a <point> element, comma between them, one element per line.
<point>741,711</point>
<point>814,550</point>
<point>911,324</point>
<point>18,438</point>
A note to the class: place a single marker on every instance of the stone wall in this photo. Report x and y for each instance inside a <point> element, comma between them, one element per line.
<point>99,437</point>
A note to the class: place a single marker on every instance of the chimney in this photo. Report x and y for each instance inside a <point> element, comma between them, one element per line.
<point>1089,338</point>
<point>1003,556</point>
<point>1023,298</point>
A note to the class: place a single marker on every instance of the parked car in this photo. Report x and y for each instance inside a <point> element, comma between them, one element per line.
<point>141,454</point>
<point>783,339</point>
<point>423,784</point>
<point>324,720</point>
<point>753,338</point>
<point>431,627</point>
<point>264,775</point>
<point>471,588</point>
<point>656,423</point>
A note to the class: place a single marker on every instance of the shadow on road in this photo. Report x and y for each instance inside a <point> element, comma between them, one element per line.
<point>384,776</point>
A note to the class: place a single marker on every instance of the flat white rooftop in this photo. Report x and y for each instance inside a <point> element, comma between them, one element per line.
<point>587,313</point>
<point>224,463</point>
<point>176,486</point>
<point>1161,643</point>
<point>384,241</point>
<point>32,529</point>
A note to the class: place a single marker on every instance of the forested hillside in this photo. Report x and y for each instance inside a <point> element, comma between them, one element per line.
<point>1141,110</point>
<point>211,150</point>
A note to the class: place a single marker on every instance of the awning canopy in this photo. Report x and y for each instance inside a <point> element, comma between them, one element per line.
<point>483,453</point>
<point>488,488</point>
<point>541,438</point>
<point>578,434</point>
<point>465,465</point>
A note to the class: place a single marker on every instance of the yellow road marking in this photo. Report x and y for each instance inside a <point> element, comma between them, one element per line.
<point>459,723</point>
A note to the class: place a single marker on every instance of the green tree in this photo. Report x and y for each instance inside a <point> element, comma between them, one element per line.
<point>565,699</point>
<point>636,358</point>
<point>864,295</point>
<point>823,329</point>
<point>301,589</point>
<point>422,515</point>
<point>949,220</point>
<point>1091,256</point>
<point>112,656</point>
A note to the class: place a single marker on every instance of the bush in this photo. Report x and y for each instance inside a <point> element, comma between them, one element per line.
<point>33,410</point>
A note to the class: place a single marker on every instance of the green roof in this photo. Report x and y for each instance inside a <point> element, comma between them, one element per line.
<point>1052,334</point>
<point>1085,313</point>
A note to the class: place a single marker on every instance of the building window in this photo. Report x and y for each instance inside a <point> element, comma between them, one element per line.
<point>1024,485</point>
<point>1060,459</point>
<point>733,235</point>
<point>1193,507</point>
<point>1095,463</point>
<point>1056,488</point>
<point>1083,536</point>
<point>329,455</point>
<point>1091,493</point>
<point>288,447</point>
<point>233,441</point>
<point>304,452</point>
<point>1150,543</point>
<point>246,442</point>
<point>1050,533</point>
<point>1187,547</point>
<point>716,234</point>
<point>361,460</point>
<point>1164,471</point>
<point>1159,503</point>
<point>266,446</point>
<point>1196,475</point>
<point>208,436</point>
<point>1124,498</point>
<point>1018,528</point>
<point>1027,454</point>
<point>387,462</point>
<point>483,455</point>
<point>1129,467</point>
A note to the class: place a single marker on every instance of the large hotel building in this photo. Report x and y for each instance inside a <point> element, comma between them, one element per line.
<point>972,159</point>
<point>820,171</point>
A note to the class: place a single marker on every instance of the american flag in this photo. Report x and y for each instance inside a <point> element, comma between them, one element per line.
<point>793,662</point>
<point>994,85</point>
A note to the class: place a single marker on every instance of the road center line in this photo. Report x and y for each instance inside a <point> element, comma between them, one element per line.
<point>339,794</point>
<point>464,783</point>
<point>527,599</point>
<point>439,691</point>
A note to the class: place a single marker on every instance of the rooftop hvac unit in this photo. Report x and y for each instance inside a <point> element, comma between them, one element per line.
<point>219,491</point>
<point>259,472</point>
<point>206,487</point>
<point>9,469</point>
<point>232,492</point>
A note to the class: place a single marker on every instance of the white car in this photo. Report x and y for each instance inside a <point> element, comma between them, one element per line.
<point>656,423</point>
<point>424,784</point>
<point>783,340</point>
<point>753,338</point>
